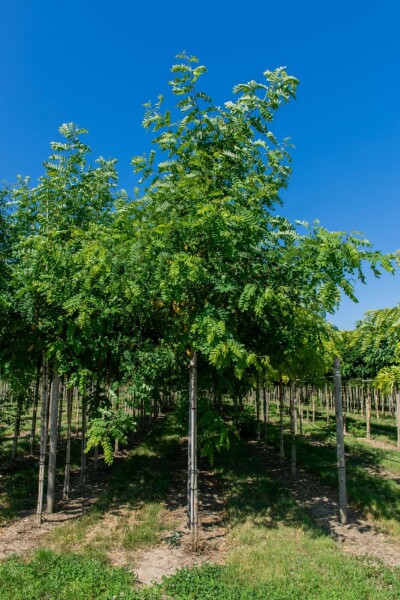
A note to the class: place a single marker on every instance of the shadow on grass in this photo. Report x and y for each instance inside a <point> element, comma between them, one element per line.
<point>253,495</point>
<point>366,489</point>
<point>141,475</point>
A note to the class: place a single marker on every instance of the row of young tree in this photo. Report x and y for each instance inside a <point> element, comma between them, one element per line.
<point>197,272</point>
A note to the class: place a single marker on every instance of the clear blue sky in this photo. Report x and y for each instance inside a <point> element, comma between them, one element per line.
<point>96,63</point>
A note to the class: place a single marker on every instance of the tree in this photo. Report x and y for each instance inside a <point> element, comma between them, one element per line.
<point>232,282</point>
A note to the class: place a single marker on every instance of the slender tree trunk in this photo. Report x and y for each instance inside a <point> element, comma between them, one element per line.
<point>258,410</point>
<point>293,427</point>
<point>340,442</point>
<point>35,407</point>
<point>68,451</point>
<point>376,404</point>
<point>83,443</point>
<point>192,455</point>
<point>62,395</point>
<point>282,446</point>
<point>51,479</point>
<point>368,413</point>
<point>265,414</point>
<point>398,417</point>
<point>313,409</point>
<point>77,413</point>
<point>17,428</point>
<point>43,441</point>
<point>327,404</point>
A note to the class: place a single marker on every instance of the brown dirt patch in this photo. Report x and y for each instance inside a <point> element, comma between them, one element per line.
<point>175,551</point>
<point>24,534</point>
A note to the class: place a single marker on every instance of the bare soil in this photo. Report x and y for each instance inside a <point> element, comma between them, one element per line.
<point>177,550</point>
<point>151,564</point>
<point>24,534</point>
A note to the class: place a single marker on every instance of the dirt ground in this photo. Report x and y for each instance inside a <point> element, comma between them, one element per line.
<point>24,534</point>
<point>176,548</point>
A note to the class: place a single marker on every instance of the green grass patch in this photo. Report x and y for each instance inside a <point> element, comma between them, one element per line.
<point>48,576</point>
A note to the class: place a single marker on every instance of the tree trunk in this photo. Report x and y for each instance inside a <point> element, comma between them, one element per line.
<point>293,427</point>
<point>43,442</point>
<point>327,404</point>
<point>34,415</point>
<point>340,442</point>
<point>265,414</point>
<point>62,396</point>
<point>368,413</point>
<point>192,452</point>
<point>398,418</point>
<point>51,480</point>
<point>282,446</point>
<point>17,428</point>
<point>68,451</point>
<point>83,443</point>
<point>258,410</point>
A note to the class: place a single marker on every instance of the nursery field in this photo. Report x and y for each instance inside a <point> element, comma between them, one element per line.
<point>178,416</point>
<point>259,537</point>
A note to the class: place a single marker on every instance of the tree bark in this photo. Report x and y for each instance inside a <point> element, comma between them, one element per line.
<point>68,451</point>
<point>192,451</point>
<point>34,415</point>
<point>43,441</point>
<point>51,480</point>
<point>340,442</point>
<point>293,428</point>
<point>282,446</point>
<point>83,443</point>
<point>368,413</point>
<point>265,414</point>
<point>17,428</point>
<point>398,418</point>
<point>258,410</point>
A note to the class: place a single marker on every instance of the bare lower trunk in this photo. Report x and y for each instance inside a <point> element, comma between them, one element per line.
<point>43,442</point>
<point>62,396</point>
<point>258,411</point>
<point>68,452</point>
<point>368,414</point>
<point>265,414</point>
<point>16,428</point>
<point>51,480</point>
<point>398,418</point>
<point>34,415</point>
<point>83,444</point>
<point>340,442</point>
<point>192,453</point>
<point>281,447</point>
<point>293,429</point>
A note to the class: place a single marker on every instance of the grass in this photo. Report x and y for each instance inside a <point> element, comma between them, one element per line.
<point>47,576</point>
